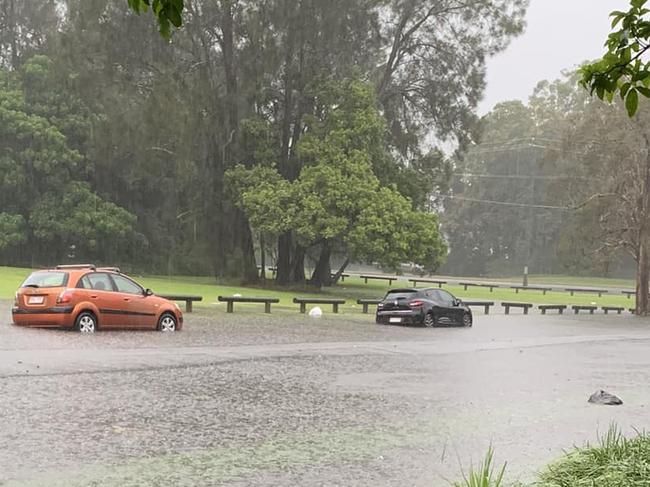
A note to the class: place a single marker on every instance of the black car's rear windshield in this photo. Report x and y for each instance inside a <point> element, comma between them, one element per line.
<point>46,279</point>
<point>401,295</point>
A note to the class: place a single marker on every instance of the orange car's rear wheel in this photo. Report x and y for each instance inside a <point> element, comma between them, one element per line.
<point>86,322</point>
<point>167,323</point>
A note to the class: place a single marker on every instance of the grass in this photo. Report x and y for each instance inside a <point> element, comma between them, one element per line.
<point>616,461</point>
<point>352,289</point>
<point>485,475</point>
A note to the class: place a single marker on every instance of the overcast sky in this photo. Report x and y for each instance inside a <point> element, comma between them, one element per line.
<point>560,34</point>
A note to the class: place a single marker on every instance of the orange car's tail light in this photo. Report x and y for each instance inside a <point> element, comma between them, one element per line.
<point>16,300</point>
<point>64,297</point>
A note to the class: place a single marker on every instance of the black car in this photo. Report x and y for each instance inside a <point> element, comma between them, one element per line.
<point>426,307</point>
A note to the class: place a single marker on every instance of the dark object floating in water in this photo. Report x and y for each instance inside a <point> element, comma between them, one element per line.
<point>602,397</point>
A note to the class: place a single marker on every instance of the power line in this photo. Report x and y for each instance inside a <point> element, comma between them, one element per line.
<point>505,203</point>
<point>521,176</point>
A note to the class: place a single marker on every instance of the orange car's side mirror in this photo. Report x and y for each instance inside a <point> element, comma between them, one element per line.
<point>148,292</point>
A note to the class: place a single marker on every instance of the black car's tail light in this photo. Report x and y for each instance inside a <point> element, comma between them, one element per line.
<point>416,304</point>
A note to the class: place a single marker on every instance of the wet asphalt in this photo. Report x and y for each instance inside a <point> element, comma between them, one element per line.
<point>257,400</point>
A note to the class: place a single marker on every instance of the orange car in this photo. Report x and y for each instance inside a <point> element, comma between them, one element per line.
<point>87,298</point>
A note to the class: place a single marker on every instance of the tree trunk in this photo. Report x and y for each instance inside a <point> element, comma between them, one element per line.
<point>283,273</point>
<point>13,34</point>
<point>643,269</point>
<point>298,265</point>
<point>322,275</point>
<point>262,258</point>
<point>339,273</point>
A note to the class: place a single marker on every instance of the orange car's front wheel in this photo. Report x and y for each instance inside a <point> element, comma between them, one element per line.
<point>167,323</point>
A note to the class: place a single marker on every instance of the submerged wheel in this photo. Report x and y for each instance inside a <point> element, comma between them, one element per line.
<point>430,320</point>
<point>86,322</point>
<point>467,319</point>
<point>167,323</point>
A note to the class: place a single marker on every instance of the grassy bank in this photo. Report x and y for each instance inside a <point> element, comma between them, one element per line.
<point>615,461</point>
<point>352,289</point>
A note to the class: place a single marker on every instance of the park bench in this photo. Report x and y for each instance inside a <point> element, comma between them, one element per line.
<point>549,307</point>
<point>367,302</point>
<point>618,309</point>
<point>584,307</point>
<point>380,278</point>
<point>181,297</point>
<point>531,288</point>
<point>427,281</point>
<point>573,290</point>
<point>305,301</point>
<point>474,284</point>
<point>486,305</point>
<point>524,306</point>
<point>629,293</point>
<point>231,300</point>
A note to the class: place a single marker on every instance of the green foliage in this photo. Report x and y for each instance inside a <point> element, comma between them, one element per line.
<point>337,198</point>
<point>79,216</point>
<point>622,69</point>
<point>485,475</point>
<point>12,230</point>
<point>616,461</point>
<point>167,12</point>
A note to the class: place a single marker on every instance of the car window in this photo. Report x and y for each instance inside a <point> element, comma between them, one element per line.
<point>445,297</point>
<point>99,281</point>
<point>46,279</point>
<point>125,285</point>
<point>391,295</point>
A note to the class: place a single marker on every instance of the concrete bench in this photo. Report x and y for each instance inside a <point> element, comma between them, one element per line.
<point>573,290</point>
<point>486,305</point>
<point>427,281</point>
<point>552,307</point>
<point>303,302</point>
<point>368,302</point>
<point>379,278</point>
<point>629,293</point>
<point>181,297</point>
<point>474,284</point>
<point>241,299</point>
<point>524,306</point>
<point>531,288</point>
<point>618,309</point>
<point>584,307</point>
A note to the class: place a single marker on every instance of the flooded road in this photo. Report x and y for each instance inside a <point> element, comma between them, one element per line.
<point>249,399</point>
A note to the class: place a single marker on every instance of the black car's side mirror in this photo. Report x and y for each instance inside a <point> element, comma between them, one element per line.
<point>457,302</point>
<point>148,292</point>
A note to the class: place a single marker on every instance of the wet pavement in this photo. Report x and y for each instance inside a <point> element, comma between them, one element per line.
<point>257,400</point>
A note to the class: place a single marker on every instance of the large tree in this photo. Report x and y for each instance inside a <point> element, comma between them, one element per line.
<point>625,70</point>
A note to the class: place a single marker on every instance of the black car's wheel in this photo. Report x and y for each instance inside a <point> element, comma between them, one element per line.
<point>467,319</point>
<point>86,322</point>
<point>430,320</point>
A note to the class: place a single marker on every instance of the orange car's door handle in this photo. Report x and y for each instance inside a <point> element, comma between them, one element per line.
<point>93,296</point>
<point>127,299</point>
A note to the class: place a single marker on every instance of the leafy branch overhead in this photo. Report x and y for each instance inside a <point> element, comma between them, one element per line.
<point>167,12</point>
<point>623,69</point>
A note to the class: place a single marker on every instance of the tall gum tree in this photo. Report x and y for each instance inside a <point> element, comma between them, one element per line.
<point>624,70</point>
